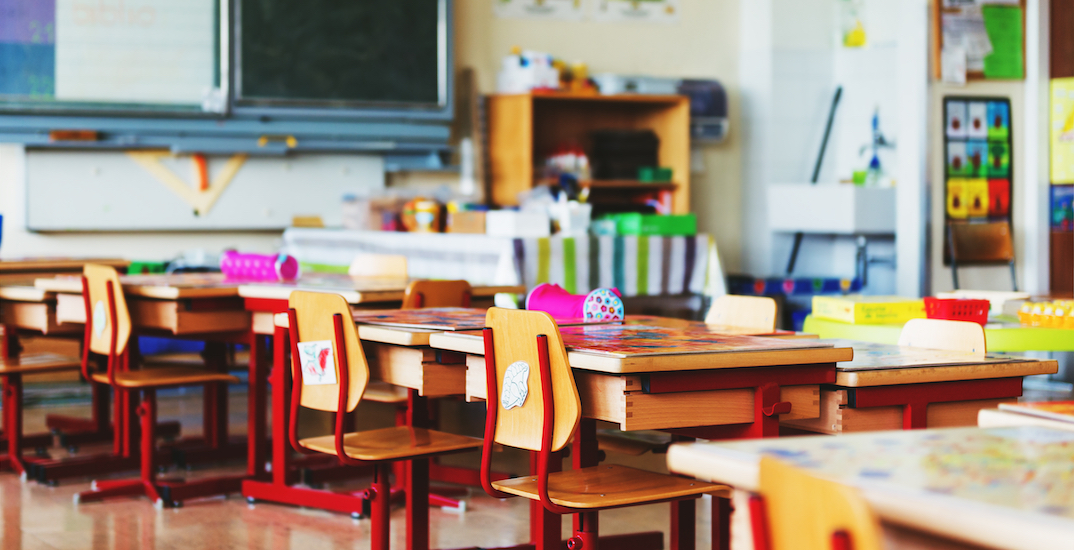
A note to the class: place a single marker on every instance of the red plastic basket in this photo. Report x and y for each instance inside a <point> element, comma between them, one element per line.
<point>974,311</point>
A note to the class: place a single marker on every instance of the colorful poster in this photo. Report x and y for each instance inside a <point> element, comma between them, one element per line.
<point>977,128</point>
<point>1062,130</point>
<point>957,165</point>
<point>977,158</point>
<point>649,11</point>
<point>1062,207</point>
<point>539,9</point>
<point>956,119</point>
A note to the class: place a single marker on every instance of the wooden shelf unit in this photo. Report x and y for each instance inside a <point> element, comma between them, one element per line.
<point>523,129</point>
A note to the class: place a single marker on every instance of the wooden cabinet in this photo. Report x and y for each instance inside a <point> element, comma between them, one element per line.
<point>524,129</point>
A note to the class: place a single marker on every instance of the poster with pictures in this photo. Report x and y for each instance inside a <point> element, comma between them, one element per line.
<point>539,9</point>
<point>1061,122</point>
<point>977,161</point>
<point>651,11</point>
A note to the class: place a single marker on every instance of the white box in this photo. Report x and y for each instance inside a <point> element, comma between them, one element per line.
<point>516,223</point>
<point>831,208</point>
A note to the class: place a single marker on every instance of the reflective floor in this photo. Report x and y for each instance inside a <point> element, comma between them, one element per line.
<point>39,517</point>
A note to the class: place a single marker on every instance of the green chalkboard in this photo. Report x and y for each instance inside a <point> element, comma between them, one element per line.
<point>340,53</point>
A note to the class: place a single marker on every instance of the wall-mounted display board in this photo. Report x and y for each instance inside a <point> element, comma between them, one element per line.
<point>135,55</point>
<point>264,76</point>
<point>987,36</point>
<point>1061,194</point>
<point>978,163</point>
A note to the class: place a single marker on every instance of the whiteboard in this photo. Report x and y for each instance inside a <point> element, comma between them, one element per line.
<point>135,51</point>
<point>109,191</point>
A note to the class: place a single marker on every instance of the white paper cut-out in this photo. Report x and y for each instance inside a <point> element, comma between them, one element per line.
<point>318,363</point>
<point>516,385</point>
<point>98,318</point>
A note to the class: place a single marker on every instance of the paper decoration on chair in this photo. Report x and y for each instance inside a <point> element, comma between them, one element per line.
<point>516,385</point>
<point>318,363</point>
<point>98,318</point>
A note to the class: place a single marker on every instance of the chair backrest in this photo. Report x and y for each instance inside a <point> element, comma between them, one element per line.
<point>944,335</point>
<point>437,294</point>
<point>805,511</point>
<point>989,242</point>
<point>518,395</point>
<point>314,312</point>
<point>101,326</point>
<point>749,312</point>
<point>378,265</point>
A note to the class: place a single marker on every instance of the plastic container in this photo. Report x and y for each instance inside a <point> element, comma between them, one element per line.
<point>259,267</point>
<point>655,224</point>
<point>974,311</point>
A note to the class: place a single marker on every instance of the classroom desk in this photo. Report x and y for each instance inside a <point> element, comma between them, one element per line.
<point>196,306</point>
<point>1001,337</point>
<point>733,387</point>
<point>890,387</point>
<point>23,271</point>
<point>994,488</point>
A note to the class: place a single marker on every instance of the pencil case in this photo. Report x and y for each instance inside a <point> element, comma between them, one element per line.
<point>259,267</point>
<point>600,305</point>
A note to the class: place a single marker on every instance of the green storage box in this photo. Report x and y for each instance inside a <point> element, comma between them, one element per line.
<point>655,224</point>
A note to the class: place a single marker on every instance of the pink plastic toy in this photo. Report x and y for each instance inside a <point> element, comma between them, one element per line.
<point>603,304</point>
<point>259,267</point>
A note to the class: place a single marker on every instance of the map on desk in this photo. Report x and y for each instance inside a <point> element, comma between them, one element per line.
<point>1025,468</point>
<point>723,329</point>
<point>634,340</point>
<point>434,318</point>
<point>871,356</point>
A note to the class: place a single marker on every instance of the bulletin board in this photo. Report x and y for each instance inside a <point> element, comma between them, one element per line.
<point>1005,23</point>
<point>978,161</point>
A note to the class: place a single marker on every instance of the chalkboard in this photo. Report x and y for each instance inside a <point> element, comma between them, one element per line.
<point>342,53</point>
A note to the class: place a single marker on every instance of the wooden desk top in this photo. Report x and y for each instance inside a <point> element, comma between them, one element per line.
<point>355,290</point>
<point>623,349</point>
<point>164,287</point>
<point>398,336</point>
<point>884,365</point>
<point>56,264</point>
<point>997,487</point>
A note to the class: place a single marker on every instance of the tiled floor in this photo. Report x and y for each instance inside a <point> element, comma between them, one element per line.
<point>39,517</point>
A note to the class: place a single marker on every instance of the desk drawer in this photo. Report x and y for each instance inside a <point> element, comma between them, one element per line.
<point>620,399</point>
<point>836,415</point>
<point>36,316</point>
<point>175,316</point>
<point>415,368</point>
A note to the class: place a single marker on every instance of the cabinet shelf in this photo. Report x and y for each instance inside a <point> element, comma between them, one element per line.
<point>524,129</point>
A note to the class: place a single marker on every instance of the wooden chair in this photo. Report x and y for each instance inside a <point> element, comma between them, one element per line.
<point>944,335</point>
<point>988,243</point>
<point>533,404</point>
<point>756,313</point>
<point>14,363</point>
<point>108,333</point>
<point>326,319</point>
<point>378,265</point>
<point>797,511</point>
<point>421,294</point>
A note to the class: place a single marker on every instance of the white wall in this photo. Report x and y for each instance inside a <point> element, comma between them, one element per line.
<point>790,65</point>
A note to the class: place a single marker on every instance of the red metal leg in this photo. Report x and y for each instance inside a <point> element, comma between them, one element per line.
<point>759,524</point>
<point>256,432</point>
<point>380,510</point>
<point>12,387</point>
<point>417,504</point>
<point>721,523</point>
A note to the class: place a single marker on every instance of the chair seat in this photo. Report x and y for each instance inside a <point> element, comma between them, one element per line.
<point>29,363</point>
<point>609,486</point>
<point>395,443</point>
<point>165,377</point>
